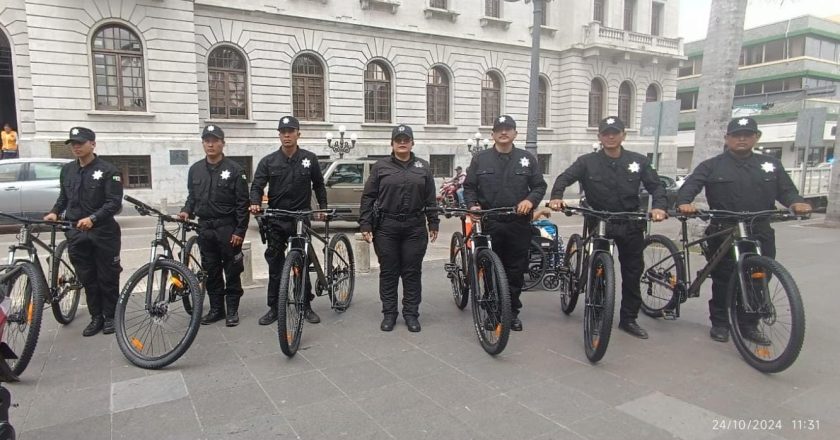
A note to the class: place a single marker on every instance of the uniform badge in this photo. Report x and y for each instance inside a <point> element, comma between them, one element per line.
<point>611,121</point>
<point>743,121</point>
<point>306,163</point>
<point>97,174</point>
<point>524,162</point>
<point>116,178</point>
<point>401,129</point>
<point>74,131</point>
<point>225,175</point>
<point>502,119</point>
<point>418,164</point>
<point>210,128</point>
<point>633,167</point>
<point>285,120</point>
<point>768,167</point>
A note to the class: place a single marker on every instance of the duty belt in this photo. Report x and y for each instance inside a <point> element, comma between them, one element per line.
<point>401,217</point>
<point>216,222</point>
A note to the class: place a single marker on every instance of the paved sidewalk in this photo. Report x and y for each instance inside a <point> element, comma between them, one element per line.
<point>350,380</point>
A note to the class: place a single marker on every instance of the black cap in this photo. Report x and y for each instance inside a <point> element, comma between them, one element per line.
<point>288,122</point>
<point>213,130</point>
<point>81,135</point>
<point>504,121</point>
<point>610,123</point>
<point>402,130</point>
<point>742,124</point>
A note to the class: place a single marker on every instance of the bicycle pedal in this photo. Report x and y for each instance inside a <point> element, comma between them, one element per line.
<point>669,315</point>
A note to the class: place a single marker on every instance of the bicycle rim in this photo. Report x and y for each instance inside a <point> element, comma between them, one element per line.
<point>663,270</point>
<point>342,271</point>
<point>536,266</point>
<point>457,278</point>
<point>290,304</point>
<point>600,302</point>
<point>68,288</point>
<point>491,303</point>
<point>23,322</point>
<point>569,287</point>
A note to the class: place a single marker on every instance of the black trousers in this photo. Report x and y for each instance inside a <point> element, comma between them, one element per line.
<point>400,247</point>
<point>629,238</point>
<point>218,257</point>
<point>95,255</point>
<point>277,234</point>
<point>721,274</point>
<point>510,241</point>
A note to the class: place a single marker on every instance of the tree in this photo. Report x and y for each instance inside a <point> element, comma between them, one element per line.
<point>832,212</point>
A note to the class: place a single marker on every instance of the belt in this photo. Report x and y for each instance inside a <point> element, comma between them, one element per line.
<point>216,222</point>
<point>401,217</point>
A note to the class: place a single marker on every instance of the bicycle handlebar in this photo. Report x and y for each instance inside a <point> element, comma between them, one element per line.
<point>302,214</point>
<point>61,224</point>
<point>507,210</point>
<point>708,214</point>
<point>605,215</point>
<point>144,209</point>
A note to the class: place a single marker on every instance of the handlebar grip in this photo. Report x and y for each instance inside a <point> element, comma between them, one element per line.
<point>343,211</point>
<point>134,201</point>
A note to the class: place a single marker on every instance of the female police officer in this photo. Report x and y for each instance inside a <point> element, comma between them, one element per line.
<point>393,208</point>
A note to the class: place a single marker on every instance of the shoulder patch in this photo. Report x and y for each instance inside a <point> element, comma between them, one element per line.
<point>116,178</point>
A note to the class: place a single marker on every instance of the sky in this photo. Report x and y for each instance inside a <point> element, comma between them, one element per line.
<point>694,14</point>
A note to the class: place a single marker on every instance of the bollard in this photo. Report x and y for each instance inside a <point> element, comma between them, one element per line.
<point>164,205</point>
<point>361,253</point>
<point>248,273</point>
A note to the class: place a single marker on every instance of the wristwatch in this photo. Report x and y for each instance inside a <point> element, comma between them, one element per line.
<point>92,218</point>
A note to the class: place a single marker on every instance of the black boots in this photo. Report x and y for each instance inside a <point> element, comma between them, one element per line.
<point>217,310</point>
<point>95,326</point>
<point>232,319</point>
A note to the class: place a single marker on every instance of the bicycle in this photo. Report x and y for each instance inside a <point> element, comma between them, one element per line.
<point>7,431</point>
<point>476,270</point>
<point>61,292</point>
<point>155,328</point>
<point>755,285</point>
<point>336,279</point>
<point>588,267</point>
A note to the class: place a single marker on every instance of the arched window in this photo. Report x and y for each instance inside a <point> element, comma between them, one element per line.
<point>437,96</point>
<point>377,93</point>
<point>625,103</point>
<point>491,98</point>
<point>596,102</point>
<point>308,88</point>
<point>542,115</point>
<point>652,93</point>
<point>227,81</point>
<point>118,69</point>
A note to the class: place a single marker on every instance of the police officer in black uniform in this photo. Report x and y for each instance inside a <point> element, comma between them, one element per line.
<point>393,214</point>
<point>291,173</point>
<point>739,180</point>
<point>218,195</point>
<point>91,194</point>
<point>507,176</point>
<point>610,178</point>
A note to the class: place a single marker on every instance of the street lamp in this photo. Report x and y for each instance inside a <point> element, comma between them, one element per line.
<point>339,145</point>
<point>476,144</point>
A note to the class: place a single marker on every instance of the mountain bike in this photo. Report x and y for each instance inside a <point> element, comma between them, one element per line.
<point>475,269</point>
<point>762,295</point>
<point>336,278</point>
<point>159,308</point>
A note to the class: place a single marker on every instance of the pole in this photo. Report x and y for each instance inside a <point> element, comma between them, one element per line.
<point>804,164</point>
<point>534,93</point>
<point>655,163</point>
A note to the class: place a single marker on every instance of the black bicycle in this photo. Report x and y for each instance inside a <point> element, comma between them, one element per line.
<point>762,295</point>
<point>336,279</point>
<point>61,289</point>
<point>159,308</point>
<point>589,268</point>
<point>476,270</point>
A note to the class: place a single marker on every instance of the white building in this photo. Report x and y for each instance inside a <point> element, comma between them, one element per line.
<point>446,67</point>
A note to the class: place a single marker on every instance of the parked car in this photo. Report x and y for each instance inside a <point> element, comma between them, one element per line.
<point>29,187</point>
<point>671,188</point>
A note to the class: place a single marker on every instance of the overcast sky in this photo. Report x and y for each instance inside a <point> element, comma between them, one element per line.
<point>694,14</point>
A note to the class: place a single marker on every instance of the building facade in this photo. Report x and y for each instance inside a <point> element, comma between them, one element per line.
<point>147,74</point>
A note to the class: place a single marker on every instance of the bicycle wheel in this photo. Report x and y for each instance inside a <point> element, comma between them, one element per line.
<point>68,288</point>
<point>290,303</point>
<point>155,335</point>
<point>457,272</point>
<point>491,303</point>
<point>777,314</point>
<point>598,310</point>
<point>536,266</point>
<point>569,291</point>
<point>25,290</point>
<point>192,258</point>
<point>663,270</point>
<point>341,271</point>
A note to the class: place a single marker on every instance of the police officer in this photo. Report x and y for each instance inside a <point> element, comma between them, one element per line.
<point>91,194</point>
<point>610,178</point>
<point>393,215</point>
<point>507,176</point>
<point>218,194</point>
<point>739,180</point>
<point>291,173</point>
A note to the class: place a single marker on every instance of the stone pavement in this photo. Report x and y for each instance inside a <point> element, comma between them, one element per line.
<point>350,380</point>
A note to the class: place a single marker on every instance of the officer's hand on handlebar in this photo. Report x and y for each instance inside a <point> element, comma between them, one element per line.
<point>255,209</point>
<point>658,215</point>
<point>183,216</point>
<point>319,216</point>
<point>51,217</point>
<point>557,204</point>
<point>687,208</point>
<point>524,207</point>
<point>368,236</point>
<point>800,208</point>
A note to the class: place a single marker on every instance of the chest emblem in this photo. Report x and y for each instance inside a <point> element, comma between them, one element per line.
<point>524,162</point>
<point>306,163</point>
<point>633,167</point>
<point>768,167</point>
<point>225,175</point>
<point>418,164</point>
<point>97,174</point>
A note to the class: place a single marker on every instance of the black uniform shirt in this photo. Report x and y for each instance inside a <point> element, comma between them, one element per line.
<point>612,184</point>
<point>290,180</point>
<point>397,187</point>
<point>218,190</point>
<point>95,189</point>
<point>497,180</point>
<point>733,184</point>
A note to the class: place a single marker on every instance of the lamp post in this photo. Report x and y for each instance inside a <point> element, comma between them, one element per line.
<point>339,145</point>
<point>476,144</point>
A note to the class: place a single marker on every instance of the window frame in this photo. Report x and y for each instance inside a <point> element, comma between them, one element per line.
<point>655,88</point>
<point>629,15</point>
<point>100,100</point>
<point>657,18</point>
<point>488,115</point>
<point>312,83</point>
<point>227,73</point>
<point>594,117</point>
<point>626,100</point>
<point>434,98</point>
<point>599,11</point>
<point>493,8</point>
<point>445,171</point>
<point>380,110</point>
<point>125,162</point>
<point>543,96</point>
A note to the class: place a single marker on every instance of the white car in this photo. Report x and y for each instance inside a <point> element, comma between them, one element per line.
<point>30,186</point>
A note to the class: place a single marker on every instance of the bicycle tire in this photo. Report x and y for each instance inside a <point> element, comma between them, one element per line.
<point>458,279</point>
<point>536,266</point>
<point>341,266</point>
<point>290,309</point>
<point>570,291</point>
<point>662,265</point>
<point>762,272</point>
<point>177,281</point>
<point>26,308</point>
<point>66,284</point>
<point>599,306</point>
<point>491,303</point>
<point>192,257</point>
